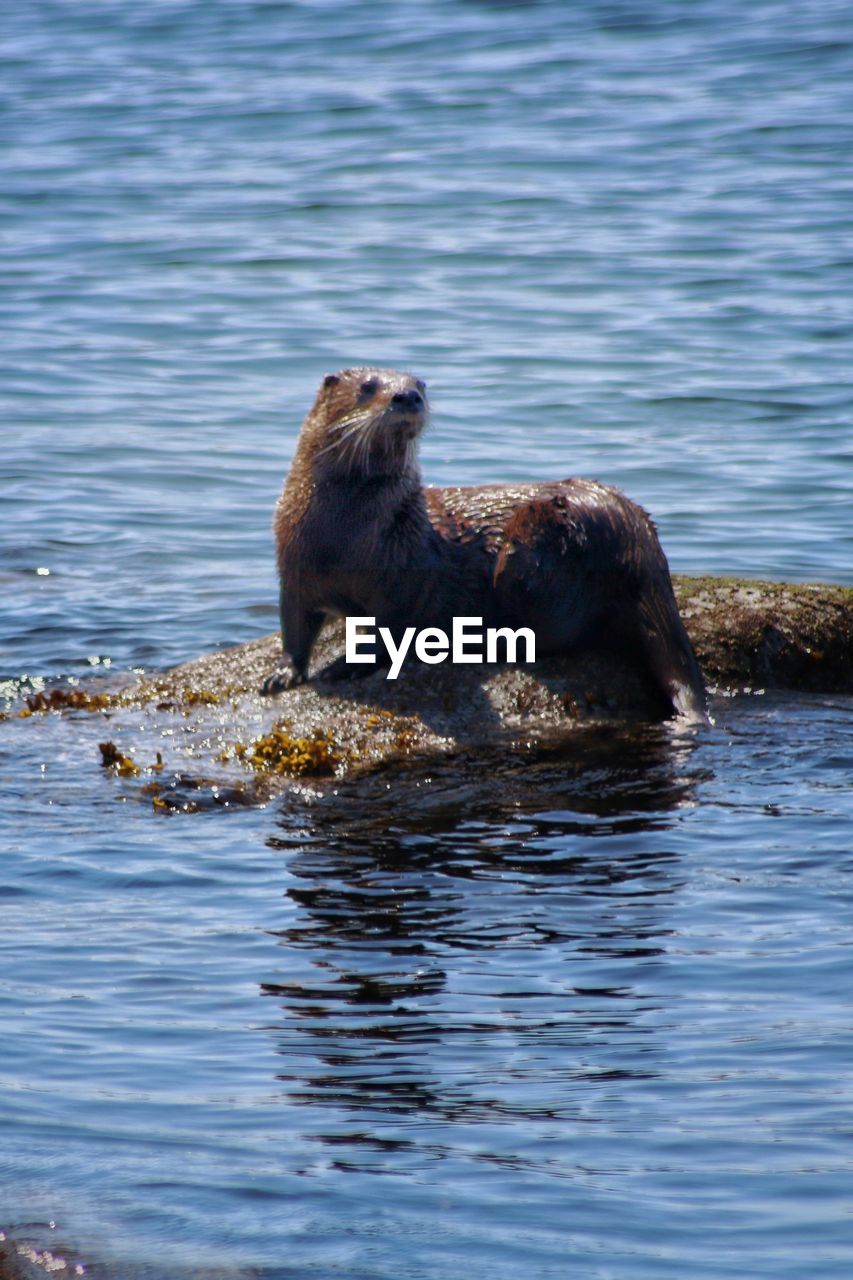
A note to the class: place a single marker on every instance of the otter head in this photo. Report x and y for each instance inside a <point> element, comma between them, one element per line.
<point>365,422</point>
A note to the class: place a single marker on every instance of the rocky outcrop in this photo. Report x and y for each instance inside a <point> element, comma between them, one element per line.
<point>201,734</point>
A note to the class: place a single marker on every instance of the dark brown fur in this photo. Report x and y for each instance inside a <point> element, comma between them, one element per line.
<point>357,533</point>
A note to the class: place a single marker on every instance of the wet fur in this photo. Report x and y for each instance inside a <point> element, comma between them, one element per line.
<point>357,533</point>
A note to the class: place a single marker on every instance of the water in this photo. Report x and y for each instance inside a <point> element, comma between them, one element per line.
<point>585,1013</point>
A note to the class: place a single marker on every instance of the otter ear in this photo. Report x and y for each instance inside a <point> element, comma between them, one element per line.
<point>331,380</point>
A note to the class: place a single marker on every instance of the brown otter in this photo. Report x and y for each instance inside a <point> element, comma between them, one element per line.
<point>358,534</point>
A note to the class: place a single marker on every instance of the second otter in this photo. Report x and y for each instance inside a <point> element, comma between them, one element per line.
<point>357,533</point>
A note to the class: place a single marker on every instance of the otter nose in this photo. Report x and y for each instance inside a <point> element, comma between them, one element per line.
<point>410,399</point>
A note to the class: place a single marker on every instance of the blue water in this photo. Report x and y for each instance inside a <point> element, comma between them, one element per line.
<point>582,1014</point>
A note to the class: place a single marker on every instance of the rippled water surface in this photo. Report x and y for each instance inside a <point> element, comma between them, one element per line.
<point>581,1013</point>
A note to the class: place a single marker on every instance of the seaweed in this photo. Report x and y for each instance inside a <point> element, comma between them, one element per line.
<point>278,752</point>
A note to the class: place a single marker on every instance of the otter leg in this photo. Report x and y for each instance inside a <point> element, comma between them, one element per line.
<point>299,629</point>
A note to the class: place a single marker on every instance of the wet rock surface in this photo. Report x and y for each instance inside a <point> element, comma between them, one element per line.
<point>775,635</point>
<point>202,736</point>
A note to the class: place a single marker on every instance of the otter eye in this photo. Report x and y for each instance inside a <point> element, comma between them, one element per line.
<point>331,380</point>
<point>369,387</point>
<point>421,386</point>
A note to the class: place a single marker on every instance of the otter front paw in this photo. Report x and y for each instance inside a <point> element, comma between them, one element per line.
<point>278,681</point>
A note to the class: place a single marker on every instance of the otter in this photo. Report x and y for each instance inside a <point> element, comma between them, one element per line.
<point>357,533</point>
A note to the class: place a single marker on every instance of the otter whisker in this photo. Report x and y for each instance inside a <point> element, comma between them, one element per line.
<point>365,442</point>
<point>355,444</point>
<point>354,441</point>
<point>345,429</point>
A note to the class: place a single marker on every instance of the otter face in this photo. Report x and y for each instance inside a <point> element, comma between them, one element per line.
<point>367,421</point>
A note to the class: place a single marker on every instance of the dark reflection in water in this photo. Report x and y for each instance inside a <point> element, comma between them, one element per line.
<point>497,910</point>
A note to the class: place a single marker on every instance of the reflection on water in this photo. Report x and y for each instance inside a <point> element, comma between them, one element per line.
<point>479,909</point>
<point>503,1011</point>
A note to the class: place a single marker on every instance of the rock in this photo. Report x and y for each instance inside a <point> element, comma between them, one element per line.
<point>206,738</point>
<point>775,635</point>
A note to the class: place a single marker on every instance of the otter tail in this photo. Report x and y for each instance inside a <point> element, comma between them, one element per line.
<point>668,652</point>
